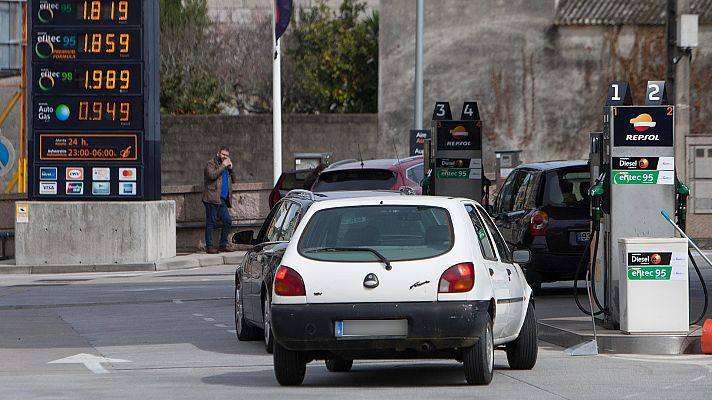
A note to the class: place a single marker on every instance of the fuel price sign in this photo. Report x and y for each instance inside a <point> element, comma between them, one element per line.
<point>93,79</point>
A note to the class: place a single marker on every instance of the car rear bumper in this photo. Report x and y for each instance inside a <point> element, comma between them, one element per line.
<point>431,326</point>
<point>562,266</point>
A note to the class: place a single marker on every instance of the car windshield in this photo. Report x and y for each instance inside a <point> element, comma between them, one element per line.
<point>397,232</point>
<point>355,179</point>
<point>567,188</point>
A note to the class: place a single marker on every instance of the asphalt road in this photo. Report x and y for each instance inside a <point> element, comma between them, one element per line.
<point>170,335</point>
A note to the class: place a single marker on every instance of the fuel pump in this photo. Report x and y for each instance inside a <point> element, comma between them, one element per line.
<point>453,159</point>
<point>633,180</point>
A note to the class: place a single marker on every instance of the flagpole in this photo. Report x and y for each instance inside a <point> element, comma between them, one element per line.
<point>276,104</point>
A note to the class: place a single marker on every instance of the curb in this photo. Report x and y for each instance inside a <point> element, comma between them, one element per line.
<point>196,260</point>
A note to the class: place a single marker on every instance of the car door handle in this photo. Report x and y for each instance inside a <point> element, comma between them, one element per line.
<point>491,271</point>
<point>509,274</point>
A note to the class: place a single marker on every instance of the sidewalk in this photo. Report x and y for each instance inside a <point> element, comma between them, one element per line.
<point>181,261</point>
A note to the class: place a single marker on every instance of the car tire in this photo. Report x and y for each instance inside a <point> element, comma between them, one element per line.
<point>267,320</point>
<point>534,279</point>
<point>244,331</point>
<point>522,352</point>
<point>337,365</point>
<point>289,366</point>
<point>478,360</point>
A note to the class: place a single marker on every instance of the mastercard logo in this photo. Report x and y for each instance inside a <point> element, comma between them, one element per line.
<point>642,122</point>
<point>655,259</point>
<point>127,174</point>
<point>459,133</point>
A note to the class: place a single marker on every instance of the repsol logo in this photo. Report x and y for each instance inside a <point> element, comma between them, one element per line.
<point>643,137</point>
<point>459,143</point>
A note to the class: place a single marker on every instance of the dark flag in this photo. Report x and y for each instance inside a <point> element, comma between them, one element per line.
<point>282,15</point>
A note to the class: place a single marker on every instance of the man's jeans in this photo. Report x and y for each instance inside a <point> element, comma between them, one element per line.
<point>212,212</point>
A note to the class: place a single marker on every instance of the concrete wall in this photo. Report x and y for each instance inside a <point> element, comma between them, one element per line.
<point>70,233</point>
<point>540,87</point>
<point>187,142</point>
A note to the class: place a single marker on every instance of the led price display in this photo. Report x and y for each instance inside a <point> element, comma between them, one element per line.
<point>88,113</point>
<point>88,146</point>
<point>86,44</point>
<point>87,12</point>
<point>92,79</point>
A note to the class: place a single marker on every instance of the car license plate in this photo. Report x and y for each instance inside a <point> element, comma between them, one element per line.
<point>360,328</point>
<point>583,237</point>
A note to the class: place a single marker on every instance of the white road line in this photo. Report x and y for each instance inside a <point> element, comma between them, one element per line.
<point>209,319</point>
<point>232,331</point>
<point>197,315</point>
<point>630,396</point>
<point>699,378</point>
<point>221,325</point>
<point>178,301</point>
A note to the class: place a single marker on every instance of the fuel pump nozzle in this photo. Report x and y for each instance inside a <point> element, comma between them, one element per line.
<point>596,192</point>
<point>683,192</point>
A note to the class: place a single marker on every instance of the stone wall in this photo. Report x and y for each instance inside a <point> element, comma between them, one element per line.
<point>540,87</point>
<point>187,142</point>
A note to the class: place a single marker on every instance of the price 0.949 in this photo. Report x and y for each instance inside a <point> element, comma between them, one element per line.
<point>104,111</point>
<point>109,79</point>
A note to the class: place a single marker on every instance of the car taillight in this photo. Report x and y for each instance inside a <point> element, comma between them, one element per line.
<point>288,282</point>
<point>458,278</point>
<point>538,223</point>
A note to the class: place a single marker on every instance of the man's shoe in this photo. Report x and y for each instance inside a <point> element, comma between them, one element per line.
<point>212,250</point>
<point>225,250</point>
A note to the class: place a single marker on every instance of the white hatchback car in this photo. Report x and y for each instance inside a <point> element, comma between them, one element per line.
<point>400,277</point>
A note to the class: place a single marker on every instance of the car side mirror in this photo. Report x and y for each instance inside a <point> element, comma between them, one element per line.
<point>244,237</point>
<point>521,256</point>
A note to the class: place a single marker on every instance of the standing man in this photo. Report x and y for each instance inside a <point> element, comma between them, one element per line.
<point>219,176</point>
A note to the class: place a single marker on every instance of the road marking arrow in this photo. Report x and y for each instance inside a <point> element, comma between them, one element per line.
<point>92,362</point>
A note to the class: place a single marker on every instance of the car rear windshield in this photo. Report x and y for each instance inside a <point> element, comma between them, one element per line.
<point>294,180</point>
<point>567,188</point>
<point>397,232</point>
<point>355,179</point>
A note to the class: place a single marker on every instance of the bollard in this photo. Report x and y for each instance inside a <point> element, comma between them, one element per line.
<point>706,340</point>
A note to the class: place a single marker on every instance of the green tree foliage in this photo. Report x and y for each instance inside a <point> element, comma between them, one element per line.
<point>332,60</point>
<point>188,84</point>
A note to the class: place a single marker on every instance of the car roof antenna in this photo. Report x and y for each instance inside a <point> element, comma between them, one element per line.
<point>360,157</point>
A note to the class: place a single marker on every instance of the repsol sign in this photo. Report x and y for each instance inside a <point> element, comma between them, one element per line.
<point>643,126</point>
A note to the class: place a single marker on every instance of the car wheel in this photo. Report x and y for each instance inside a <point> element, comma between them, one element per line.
<point>478,360</point>
<point>336,365</point>
<point>534,279</point>
<point>289,366</point>
<point>267,318</point>
<point>522,353</point>
<point>244,331</point>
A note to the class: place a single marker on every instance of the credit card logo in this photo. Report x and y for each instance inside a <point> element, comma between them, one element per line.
<point>75,188</point>
<point>127,188</point>
<point>100,188</point>
<point>48,187</point>
<point>75,173</point>
<point>48,173</point>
